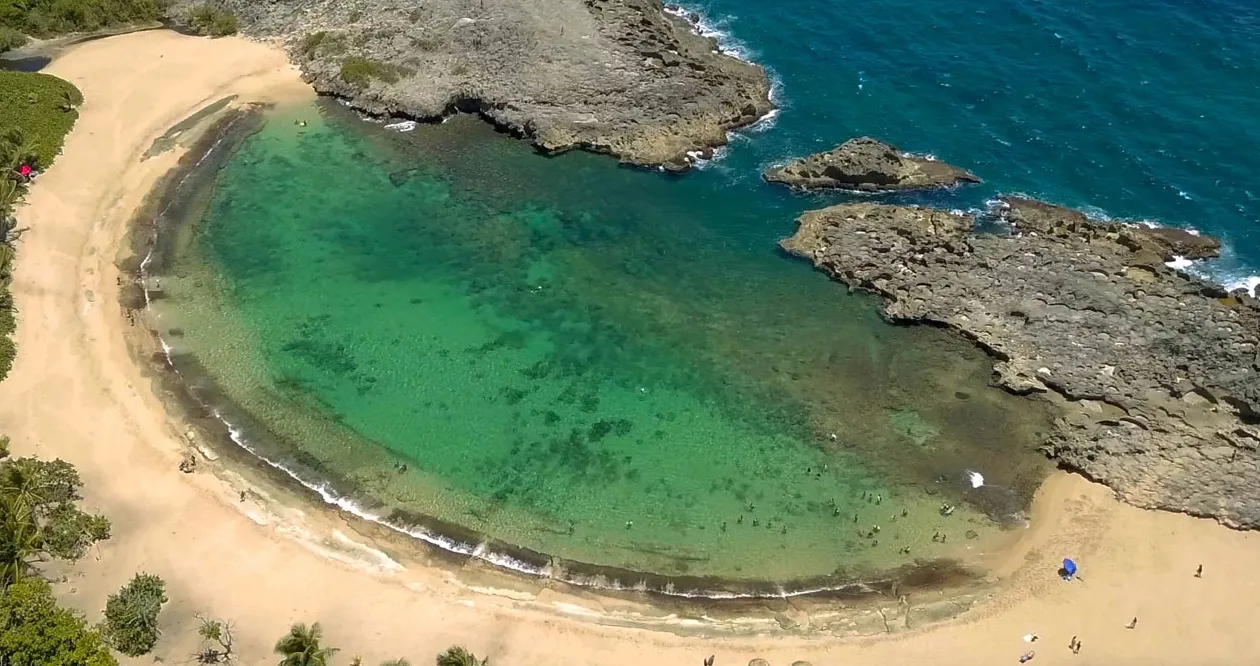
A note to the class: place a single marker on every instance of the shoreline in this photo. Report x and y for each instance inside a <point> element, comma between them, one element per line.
<point>76,393</point>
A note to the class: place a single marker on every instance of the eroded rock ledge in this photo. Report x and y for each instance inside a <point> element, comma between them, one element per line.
<point>867,165</point>
<point>1157,372</point>
<point>615,76</point>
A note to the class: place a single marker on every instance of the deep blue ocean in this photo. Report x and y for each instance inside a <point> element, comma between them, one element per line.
<point>1132,110</point>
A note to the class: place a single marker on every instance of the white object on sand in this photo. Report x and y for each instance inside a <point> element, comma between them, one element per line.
<point>976,478</point>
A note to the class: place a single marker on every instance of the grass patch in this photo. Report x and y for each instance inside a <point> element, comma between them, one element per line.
<point>362,71</point>
<point>49,18</point>
<point>42,108</point>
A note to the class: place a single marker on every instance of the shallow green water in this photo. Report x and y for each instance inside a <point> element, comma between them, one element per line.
<point>603,364</point>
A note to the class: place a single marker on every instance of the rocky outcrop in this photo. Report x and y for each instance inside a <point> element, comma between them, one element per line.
<point>867,165</point>
<point>622,77</point>
<point>1156,371</point>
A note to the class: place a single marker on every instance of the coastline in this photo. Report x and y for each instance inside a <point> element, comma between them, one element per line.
<point>76,393</point>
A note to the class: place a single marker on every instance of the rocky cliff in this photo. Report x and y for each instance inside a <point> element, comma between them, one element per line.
<point>1157,372</point>
<point>867,165</point>
<point>622,77</point>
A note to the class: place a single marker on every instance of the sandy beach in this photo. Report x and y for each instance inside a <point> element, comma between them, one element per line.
<point>78,392</point>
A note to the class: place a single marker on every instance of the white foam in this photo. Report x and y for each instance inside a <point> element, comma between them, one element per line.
<point>706,27</point>
<point>1179,263</point>
<point>976,478</point>
<point>728,45</point>
<point>1251,283</point>
<point>402,126</point>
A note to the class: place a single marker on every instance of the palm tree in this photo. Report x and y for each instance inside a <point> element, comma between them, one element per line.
<point>458,655</point>
<point>397,662</point>
<point>300,647</point>
<point>20,540</point>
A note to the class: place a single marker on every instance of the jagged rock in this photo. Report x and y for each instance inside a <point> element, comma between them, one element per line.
<point>622,77</point>
<point>868,165</point>
<point>1162,243</point>
<point>1157,373</point>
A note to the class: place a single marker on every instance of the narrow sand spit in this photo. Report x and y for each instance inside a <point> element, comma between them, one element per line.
<point>76,392</point>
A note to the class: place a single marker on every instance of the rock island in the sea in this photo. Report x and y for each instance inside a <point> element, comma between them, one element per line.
<point>867,165</point>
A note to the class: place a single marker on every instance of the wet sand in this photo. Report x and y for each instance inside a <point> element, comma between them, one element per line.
<point>77,392</point>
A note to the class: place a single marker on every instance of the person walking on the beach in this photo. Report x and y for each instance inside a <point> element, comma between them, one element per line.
<point>1198,573</point>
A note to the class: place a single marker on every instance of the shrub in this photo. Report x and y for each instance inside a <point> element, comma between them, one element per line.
<point>35,630</point>
<point>224,24</point>
<point>207,20</point>
<point>361,71</point>
<point>10,39</point>
<point>310,43</point>
<point>131,615</point>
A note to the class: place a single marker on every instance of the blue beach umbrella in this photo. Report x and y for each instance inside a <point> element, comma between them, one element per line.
<point>1069,567</point>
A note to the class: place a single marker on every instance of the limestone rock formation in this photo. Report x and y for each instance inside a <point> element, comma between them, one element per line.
<point>1157,373</point>
<point>623,77</point>
<point>867,165</point>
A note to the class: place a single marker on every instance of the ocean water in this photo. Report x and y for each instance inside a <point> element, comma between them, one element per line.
<point>1132,110</point>
<point>617,367</point>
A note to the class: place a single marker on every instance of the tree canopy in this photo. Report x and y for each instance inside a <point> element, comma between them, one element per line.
<point>48,18</point>
<point>301,647</point>
<point>35,631</point>
<point>131,615</point>
<point>458,655</point>
<point>39,518</point>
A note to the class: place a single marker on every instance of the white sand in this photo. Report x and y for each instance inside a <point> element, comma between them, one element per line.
<point>77,393</point>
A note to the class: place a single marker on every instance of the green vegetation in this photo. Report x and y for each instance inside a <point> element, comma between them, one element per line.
<point>49,18</point>
<point>361,71</point>
<point>396,662</point>
<point>10,39</point>
<point>301,647</point>
<point>131,615</point>
<point>39,518</point>
<point>216,642</point>
<point>35,631</point>
<point>310,43</point>
<point>458,655</point>
<point>207,20</point>
<point>42,107</point>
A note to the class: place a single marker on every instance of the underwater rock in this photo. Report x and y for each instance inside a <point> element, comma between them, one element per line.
<point>1156,372</point>
<point>868,165</point>
<point>622,77</point>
